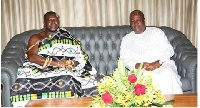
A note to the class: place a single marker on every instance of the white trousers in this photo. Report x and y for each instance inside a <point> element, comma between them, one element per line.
<point>167,78</point>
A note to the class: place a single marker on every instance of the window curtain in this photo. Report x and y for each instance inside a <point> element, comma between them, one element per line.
<point>18,16</point>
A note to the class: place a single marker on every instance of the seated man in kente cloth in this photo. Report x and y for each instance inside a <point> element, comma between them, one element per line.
<point>55,67</point>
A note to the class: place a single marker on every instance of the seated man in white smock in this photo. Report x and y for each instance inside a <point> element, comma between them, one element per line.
<point>149,45</point>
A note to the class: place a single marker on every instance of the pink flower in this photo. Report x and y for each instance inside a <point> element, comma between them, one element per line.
<point>132,78</point>
<point>107,98</point>
<point>139,89</point>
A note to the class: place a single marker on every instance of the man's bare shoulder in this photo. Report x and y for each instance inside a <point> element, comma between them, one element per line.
<point>36,37</point>
<point>39,35</point>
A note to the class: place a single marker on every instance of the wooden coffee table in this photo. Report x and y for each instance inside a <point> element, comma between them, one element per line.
<point>181,100</point>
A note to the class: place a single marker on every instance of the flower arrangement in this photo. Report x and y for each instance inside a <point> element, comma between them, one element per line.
<point>128,89</point>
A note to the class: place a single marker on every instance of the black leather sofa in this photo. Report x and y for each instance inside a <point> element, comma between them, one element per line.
<point>103,45</point>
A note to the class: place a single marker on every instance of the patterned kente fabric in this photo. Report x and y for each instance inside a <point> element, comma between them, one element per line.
<point>38,82</point>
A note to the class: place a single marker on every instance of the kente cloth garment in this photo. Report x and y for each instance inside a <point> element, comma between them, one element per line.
<point>150,46</point>
<point>38,82</point>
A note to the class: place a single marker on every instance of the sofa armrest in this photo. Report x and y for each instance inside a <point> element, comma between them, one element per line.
<point>6,82</point>
<point>186,61</point>
<point>12,57</point>
<point>185,57</point>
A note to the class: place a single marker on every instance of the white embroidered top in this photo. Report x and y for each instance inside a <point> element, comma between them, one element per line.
<point>150,46</point>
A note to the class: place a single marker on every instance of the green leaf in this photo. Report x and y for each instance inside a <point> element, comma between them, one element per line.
<point>121,66</point>
<point>166,103</point>
<point>169,102</point>
<point>157,104</point>
<point>139,71</point>
<point>118,79</point>
<point>131,87</point>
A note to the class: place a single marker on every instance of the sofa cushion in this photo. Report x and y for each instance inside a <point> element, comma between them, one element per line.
<point>186,84</point>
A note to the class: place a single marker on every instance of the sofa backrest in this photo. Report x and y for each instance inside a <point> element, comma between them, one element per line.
<point>185,54</point>
<point>102,44</point>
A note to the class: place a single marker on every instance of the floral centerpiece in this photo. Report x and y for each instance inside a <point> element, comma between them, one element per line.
<point>128,89</point>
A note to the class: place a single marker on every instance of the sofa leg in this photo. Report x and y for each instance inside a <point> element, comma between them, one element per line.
<point>1,95</point>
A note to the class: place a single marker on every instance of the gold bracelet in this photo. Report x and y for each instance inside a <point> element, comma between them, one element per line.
<point>49,62</point>
<point>68,62</point>
<point>46,61</point>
